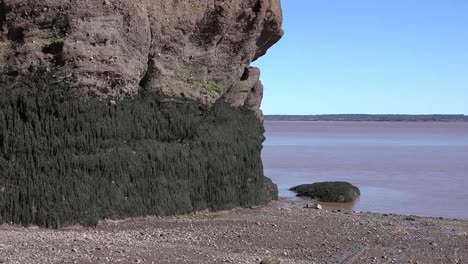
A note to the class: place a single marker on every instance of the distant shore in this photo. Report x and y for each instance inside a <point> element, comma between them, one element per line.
<point>283,229</point>
<point>369,118</point>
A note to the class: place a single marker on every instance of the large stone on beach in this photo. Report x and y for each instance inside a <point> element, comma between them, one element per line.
<point>338,192</point>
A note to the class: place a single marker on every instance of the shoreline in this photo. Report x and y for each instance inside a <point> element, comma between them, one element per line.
<point>363,121</point>
<point>349,207</point>
<point>370,118</point>
<point>283,229</point>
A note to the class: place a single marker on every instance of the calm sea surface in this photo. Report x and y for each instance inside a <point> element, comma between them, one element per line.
<point>405,168</point>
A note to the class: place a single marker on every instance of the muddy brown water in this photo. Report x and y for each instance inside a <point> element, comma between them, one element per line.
<point>404,168</point>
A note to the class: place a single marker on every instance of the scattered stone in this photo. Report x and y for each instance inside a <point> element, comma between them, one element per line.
<point>410,219</point>
<point>322,239</point>
<point>314,206</point>
<point>270,260</point>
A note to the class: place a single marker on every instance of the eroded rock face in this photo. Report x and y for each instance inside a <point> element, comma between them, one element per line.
<point>113,48</point>
<point>116,108</point>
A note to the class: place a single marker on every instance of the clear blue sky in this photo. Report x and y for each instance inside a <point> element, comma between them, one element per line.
<point>368,56</point>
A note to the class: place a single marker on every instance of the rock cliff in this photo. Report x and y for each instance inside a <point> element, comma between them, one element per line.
<point>115,108</point>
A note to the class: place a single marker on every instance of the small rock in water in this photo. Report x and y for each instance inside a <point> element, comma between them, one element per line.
<point>270,260</point>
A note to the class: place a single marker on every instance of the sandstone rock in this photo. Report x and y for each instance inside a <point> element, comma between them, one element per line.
<point>185,49</point>
<point>248,92</point>
<point>117,108</point>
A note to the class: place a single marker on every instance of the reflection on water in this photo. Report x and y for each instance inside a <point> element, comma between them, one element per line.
<point>406,168</point>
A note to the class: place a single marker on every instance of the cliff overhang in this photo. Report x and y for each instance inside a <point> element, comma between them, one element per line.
<point>116,108</point>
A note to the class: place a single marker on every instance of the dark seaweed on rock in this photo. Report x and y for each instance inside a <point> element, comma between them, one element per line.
<point>67,160</point>
<point>339,192</point>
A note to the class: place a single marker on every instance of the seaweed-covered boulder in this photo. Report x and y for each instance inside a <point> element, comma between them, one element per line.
<point>338,192</point>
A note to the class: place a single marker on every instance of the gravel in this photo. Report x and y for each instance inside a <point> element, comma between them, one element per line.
<point>284,230</point>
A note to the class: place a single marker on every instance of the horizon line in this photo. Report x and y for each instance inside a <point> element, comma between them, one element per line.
<point>364,114</point>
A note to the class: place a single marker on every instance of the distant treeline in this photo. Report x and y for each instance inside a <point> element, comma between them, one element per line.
<point>370,118</point>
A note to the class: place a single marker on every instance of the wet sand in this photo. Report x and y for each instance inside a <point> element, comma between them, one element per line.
<point>284,229</point>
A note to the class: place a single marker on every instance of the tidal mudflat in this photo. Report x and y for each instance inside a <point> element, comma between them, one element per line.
<point>405,168</point>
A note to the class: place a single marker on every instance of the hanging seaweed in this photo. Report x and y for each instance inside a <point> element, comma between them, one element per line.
<point>67,160</point>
